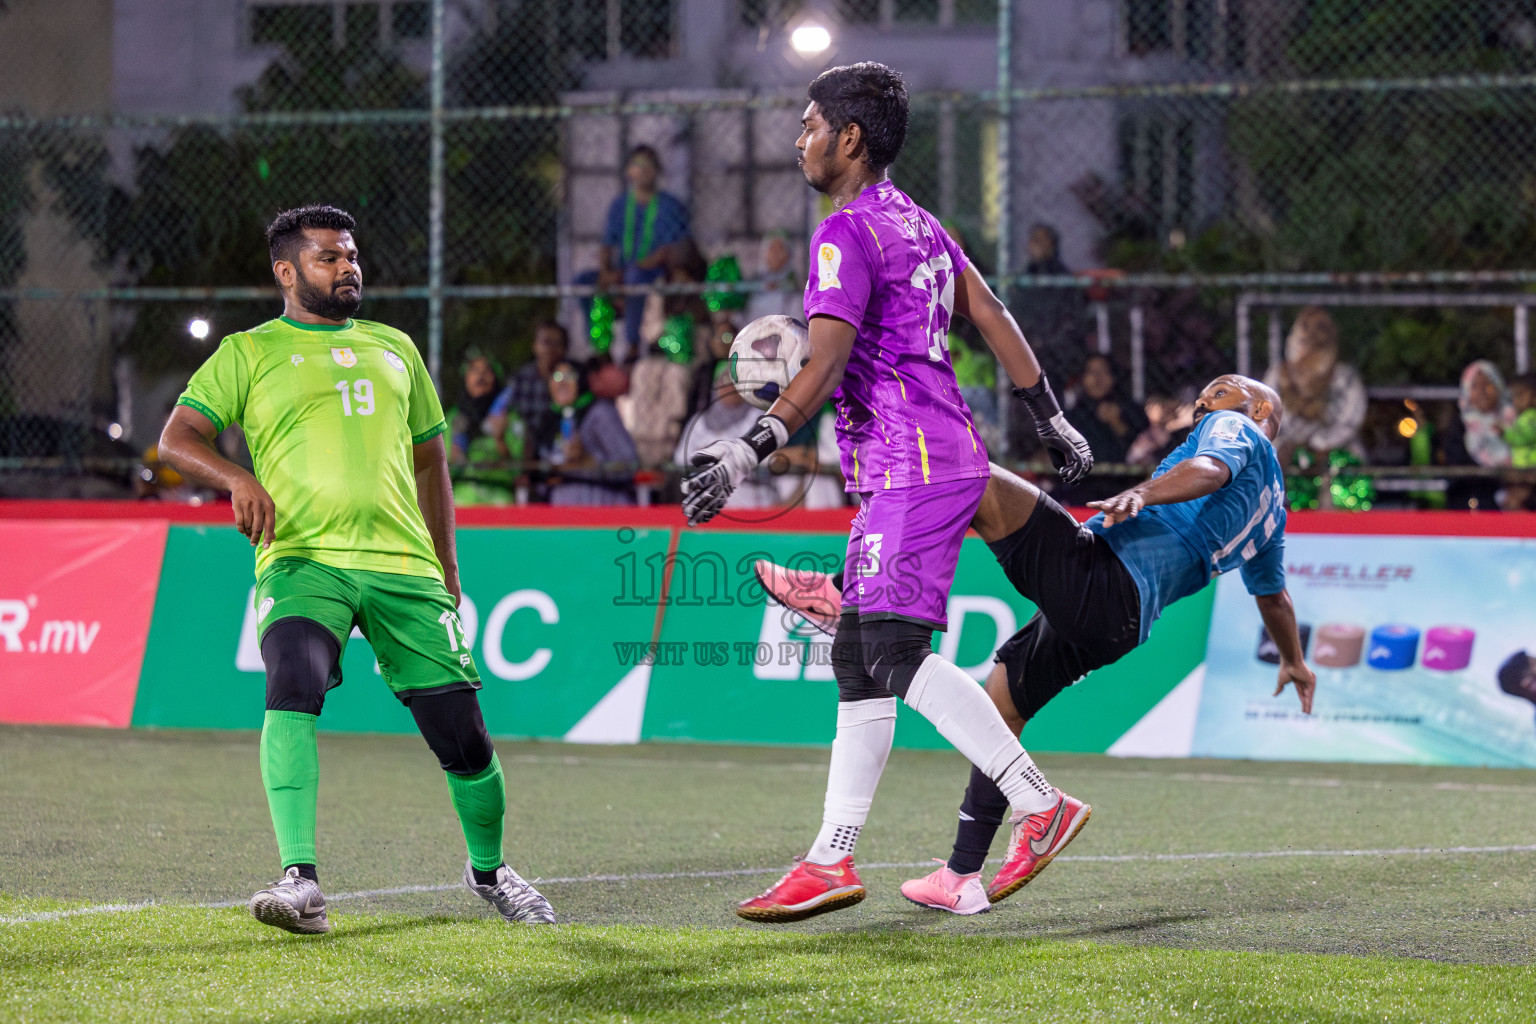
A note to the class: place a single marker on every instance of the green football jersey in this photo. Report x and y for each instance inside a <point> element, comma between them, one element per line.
<point>330,415</point>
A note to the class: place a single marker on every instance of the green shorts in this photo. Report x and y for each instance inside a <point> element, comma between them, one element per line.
<point>410,621</point>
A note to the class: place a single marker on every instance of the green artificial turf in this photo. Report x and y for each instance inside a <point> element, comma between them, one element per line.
<point>1208,882</point>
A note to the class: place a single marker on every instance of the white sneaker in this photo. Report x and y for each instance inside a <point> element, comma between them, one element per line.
<point>292,903</point>
<point>513,898</point>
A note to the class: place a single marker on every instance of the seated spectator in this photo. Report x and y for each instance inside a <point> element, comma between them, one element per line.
<point>701,394</point>
<point>1168,422</point>
<point>526,395</point>
<point>593,455</point>
<point>481,383</point>
<point>1105,417</point>
<point>1476,436</point>
<point>810,474</point>
<point>643,224</point>
<point>782,292</point>
<point>726,417</point>
<point>1521,436</point>
<point>1324,396</point>
<point>657,402</point>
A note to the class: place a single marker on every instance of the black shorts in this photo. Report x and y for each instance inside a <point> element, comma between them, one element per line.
<point>1089,608</point>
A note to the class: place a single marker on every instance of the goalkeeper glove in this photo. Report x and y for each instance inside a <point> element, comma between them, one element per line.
<point>1067,448</point>
<point>720,467</point>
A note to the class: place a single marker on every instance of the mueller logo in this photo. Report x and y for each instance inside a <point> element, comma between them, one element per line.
<point>52,636</point>
<point>1342,572</point>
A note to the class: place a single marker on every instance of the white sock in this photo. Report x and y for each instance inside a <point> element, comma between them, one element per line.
<point>966,716</point>
<point>865,730</point>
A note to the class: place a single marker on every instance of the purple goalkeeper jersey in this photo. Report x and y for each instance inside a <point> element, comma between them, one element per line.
<point>886,266</point>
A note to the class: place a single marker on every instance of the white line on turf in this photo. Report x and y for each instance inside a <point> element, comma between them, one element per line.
<point>662,876</point>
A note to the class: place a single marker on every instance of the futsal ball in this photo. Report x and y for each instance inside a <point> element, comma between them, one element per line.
<point>765,357</point>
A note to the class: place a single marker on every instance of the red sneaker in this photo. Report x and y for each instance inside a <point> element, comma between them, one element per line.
<point>1036,839</point>
<point>808,592</point>
<point>809,889</point>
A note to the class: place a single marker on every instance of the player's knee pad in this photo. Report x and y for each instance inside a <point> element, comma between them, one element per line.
<point>893,651</point>
<point>853,680</point>
<point>453,727</point>
<point>303,661</point>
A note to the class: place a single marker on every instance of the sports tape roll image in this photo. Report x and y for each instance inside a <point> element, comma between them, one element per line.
<point>1448,648</point>
<point>1393,647</point>
<point>1339,645</point>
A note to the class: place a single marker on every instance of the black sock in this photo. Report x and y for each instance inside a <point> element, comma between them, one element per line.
<point>305,871</point>
<point>485,877</point>
<point>981,813</point>
<point>837,580</point>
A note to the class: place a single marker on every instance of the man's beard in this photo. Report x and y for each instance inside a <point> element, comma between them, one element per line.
<point>326,304</point>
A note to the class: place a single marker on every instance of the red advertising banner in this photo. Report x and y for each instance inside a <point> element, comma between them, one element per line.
<point>75,602</point>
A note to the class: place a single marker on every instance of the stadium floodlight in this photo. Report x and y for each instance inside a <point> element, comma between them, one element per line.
<point>810,39</point>
<point>198,328</point>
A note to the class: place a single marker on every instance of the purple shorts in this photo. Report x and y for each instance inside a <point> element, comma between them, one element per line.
<point>903,549</point>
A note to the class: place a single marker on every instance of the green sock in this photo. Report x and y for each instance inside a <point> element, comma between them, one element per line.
<point>290,769</point>
<point>481,803</point>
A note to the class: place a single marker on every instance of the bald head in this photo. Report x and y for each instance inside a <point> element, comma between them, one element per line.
<point>1253,398</point>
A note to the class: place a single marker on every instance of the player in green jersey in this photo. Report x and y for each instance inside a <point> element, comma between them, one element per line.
<point>351,514</point>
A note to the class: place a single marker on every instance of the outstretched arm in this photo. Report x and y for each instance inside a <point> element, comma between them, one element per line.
<point>186,444</point>
<point>974,300</point>
<point>1186,481</point>
<point>434,495</point>
<point>1279,617</point>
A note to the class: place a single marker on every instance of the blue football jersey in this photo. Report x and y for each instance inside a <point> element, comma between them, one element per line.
<point>1173,551</point>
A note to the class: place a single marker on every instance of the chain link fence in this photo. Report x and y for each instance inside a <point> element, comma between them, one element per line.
<point>1131,173</point>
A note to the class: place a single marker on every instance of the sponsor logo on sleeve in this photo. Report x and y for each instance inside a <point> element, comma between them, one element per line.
<point>395,361</point>
<point>1227,428</point>
<point>829,258</point>
<point>344,356</point>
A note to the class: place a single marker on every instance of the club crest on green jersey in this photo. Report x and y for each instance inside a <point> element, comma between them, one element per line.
<point>344,356</point>
<point>395,361</point>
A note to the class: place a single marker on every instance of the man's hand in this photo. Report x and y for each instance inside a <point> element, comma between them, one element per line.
<point>451,581</point>
<point>255,515</point>
<point>1305,680</point>
<point>1067,448</point>
<point>719,469</point>
<point>1120,507</point>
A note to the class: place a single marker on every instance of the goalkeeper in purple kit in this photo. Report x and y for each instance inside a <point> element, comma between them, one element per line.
<point>885,279</point>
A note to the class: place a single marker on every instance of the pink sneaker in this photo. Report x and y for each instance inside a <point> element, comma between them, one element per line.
<point>806,591</point>
<point>945,890</point>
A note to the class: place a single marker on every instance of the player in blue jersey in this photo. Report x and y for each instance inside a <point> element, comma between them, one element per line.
<point>1215,504</point>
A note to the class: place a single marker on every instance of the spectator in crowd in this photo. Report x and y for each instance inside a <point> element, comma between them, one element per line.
<point>1169,420</point>
<point>1102,414</point>
<point>479,443</point>
<point>728,416</point>
<point>657,404</point>
<point>1324,396</point>
<point>1053,319</point>
<point>643,225</point>
<point>810,474</point>
<point>526,395</point>
<point>481,383</point>
<point>593,457</point>
<point>701,393</point>
<point>782,291</point>
<point>1521,436</point>
<point>1476,437</point>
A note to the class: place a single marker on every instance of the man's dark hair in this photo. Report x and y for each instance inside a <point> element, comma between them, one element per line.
<point>1513,672</point>
<point>871,96</point>
<point>645,151</point>
<point>558,328</point>
<point>285,236</point>
<point>1525,380</point>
